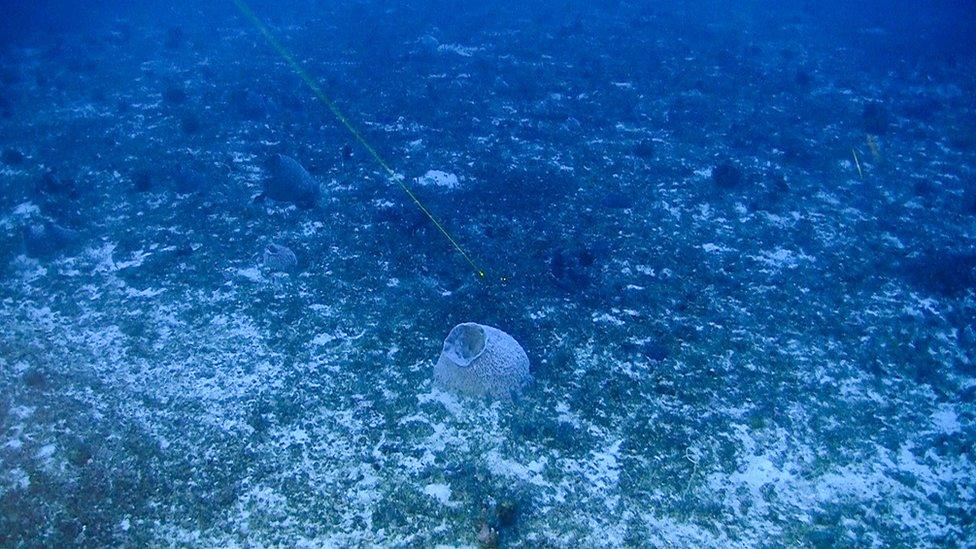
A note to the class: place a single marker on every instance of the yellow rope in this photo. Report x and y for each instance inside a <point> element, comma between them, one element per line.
<point>290,60</point>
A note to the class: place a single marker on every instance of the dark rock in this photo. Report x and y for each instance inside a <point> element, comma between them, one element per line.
<point>802,78</point>
<point>51,184</point>
<point>616,200</point>
<point>174,95</point>
<point>655,351</point>
<point>968,203</point>
<point>775,189</point>
<point>962,137</point>
<point>943,273</point>
<point>874,118</point>
<point>652,349</point>
<point>249,104</point>
<point>174,38</point>
<point>572,268</point>
<point>10,76</point>
<point>142,181</point>
<point>644,149</point>
<point>188,180</point>
<point>778,183</point>
<point>190,124</point>
<point>12,157</point>
<point>183,250</point>
<point>35,379</point>
<point>727,176</point>
<point>506,513</point>
<point>925,371</point>
<point>923,187</point>
<point>79,452</point>
<point>923,108</point>
<point>6,106</point>
<point>290,182</point>
<point>47,239</point>
<point>967,341</point>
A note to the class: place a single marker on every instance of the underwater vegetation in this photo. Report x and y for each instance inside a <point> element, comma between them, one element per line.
<point>679,273</point>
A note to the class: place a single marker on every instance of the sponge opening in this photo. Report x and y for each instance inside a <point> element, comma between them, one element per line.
<point>465,343</point>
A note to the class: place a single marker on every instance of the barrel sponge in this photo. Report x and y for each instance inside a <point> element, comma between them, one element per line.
<point>482,361</point>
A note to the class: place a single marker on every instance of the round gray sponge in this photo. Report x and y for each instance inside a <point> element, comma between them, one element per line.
<point>481,361</point>
<point>279,258</point>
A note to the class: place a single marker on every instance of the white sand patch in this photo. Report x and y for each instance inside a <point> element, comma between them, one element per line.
<point>440,492</point>
<point>135,260</point>
<point>14,479</point>
<point>445,399</point>
<point>45,452</point>
<point>607,318</point>
<point>530,473</point>
<point>251,273</point>
<point>715,248</point>
<point>26,210</point>
<point>774,478</point>
<point>781,258</point>
<point>148,292</point>
<point>946,421</point>
<point>463,51</point>
<point>601,470</point>
<point>437,178</point>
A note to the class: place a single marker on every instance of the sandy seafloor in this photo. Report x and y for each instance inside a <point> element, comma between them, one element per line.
<point>788,361</point>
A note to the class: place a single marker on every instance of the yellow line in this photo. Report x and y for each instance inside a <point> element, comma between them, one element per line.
<point>290,60</point>
<point>857,163</point>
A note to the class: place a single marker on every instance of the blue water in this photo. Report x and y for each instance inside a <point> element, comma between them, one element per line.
<point>733,240</point>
